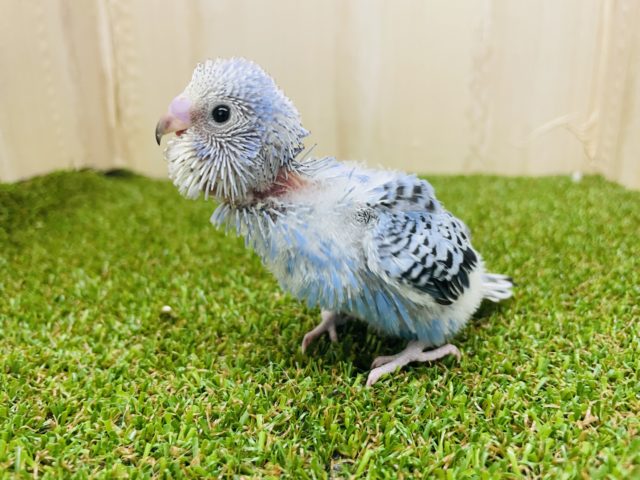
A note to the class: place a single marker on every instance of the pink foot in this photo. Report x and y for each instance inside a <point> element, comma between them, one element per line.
<point>413,353</point>
<point>328,324</point>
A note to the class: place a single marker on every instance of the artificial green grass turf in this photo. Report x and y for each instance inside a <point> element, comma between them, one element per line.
<point>95,380</point>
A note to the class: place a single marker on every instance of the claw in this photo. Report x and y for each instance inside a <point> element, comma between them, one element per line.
<point>333,335</point>
<point>328,325</point>
<point>306,341</point>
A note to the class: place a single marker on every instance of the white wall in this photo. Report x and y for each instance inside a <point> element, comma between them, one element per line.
<point>457,86</point>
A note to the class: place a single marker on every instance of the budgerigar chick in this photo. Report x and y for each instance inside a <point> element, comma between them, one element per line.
<point>359,243</point>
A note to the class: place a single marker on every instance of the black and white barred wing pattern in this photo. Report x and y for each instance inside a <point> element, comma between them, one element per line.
<point>430,253</point>
<point>408,194</point>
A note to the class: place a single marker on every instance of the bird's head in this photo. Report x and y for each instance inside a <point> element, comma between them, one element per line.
<point>235,132</point>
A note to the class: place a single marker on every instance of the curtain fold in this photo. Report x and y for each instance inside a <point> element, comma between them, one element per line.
<point>489,86</point>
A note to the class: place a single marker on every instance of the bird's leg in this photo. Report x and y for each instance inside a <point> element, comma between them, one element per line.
<point>328,324</point>
<point>413,353</point>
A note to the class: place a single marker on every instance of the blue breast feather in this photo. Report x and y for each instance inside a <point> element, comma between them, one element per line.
<point>313,269</point>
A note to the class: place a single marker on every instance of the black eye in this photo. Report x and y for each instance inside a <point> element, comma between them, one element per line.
<point>221,114</point>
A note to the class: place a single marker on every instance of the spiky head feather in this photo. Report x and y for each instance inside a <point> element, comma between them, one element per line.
<point>234,159</point>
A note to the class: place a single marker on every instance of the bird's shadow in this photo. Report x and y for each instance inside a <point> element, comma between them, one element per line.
<point>487,309</point>
<point>359,344</point>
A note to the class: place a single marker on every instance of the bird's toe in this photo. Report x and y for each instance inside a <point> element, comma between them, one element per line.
<point>379,361</point>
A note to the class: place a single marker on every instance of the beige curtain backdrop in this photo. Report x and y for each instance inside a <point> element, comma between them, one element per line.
<point>497,86</point>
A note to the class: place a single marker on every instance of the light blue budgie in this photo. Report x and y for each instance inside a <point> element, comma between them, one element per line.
<point>359,243</point>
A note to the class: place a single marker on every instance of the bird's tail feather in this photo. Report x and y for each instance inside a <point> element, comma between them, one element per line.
<point>497,287</point>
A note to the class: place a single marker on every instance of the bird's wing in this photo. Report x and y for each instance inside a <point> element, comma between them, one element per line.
<point>419,244</point>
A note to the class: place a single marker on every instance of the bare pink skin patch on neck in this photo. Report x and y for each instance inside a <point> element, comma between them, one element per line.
<point>284,183</point>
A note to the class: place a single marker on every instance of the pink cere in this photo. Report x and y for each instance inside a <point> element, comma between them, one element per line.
<point>180,108</point>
